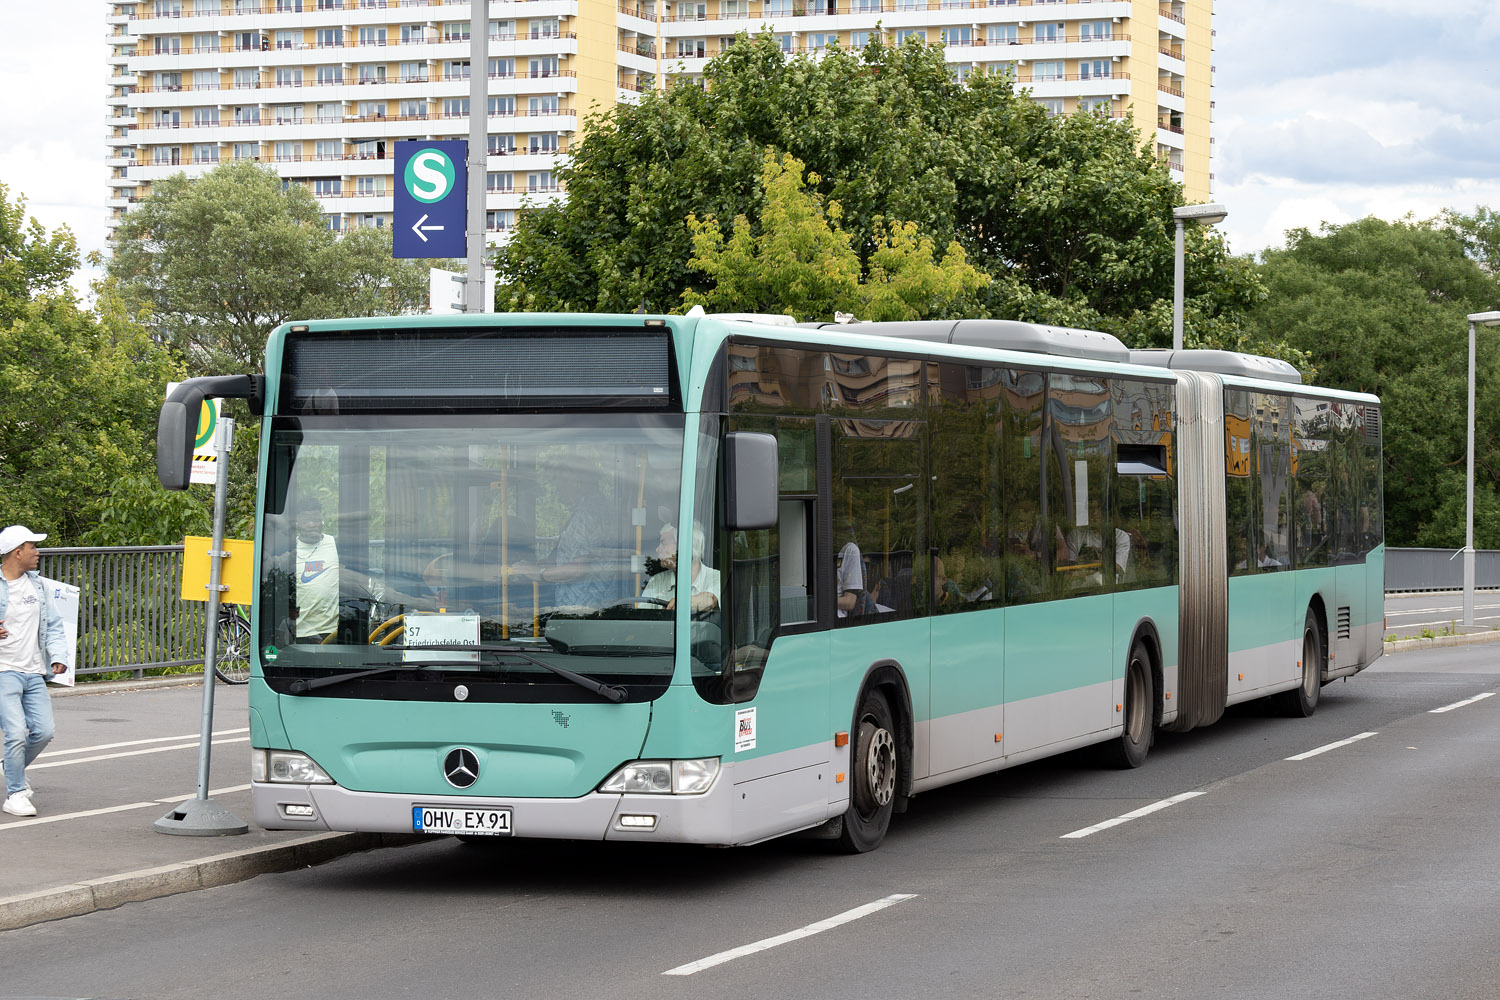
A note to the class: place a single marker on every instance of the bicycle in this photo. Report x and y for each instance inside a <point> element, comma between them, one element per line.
<point>232,655</point>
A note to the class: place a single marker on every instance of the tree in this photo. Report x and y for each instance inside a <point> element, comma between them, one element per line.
<point>1068,215</point>
<point>1379,307</point>
<point>221,260</point>
<point>31,261</point>
<point>83,389</point>
<point>803,263</point>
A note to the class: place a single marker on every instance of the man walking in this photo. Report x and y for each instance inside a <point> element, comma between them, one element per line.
<point>31,638</point>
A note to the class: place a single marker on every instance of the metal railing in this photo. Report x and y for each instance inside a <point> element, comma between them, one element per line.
<point>1410,570</point>
<point>131,617</point>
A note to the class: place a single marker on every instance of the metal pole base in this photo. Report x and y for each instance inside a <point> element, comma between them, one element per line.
<point>201,818</point>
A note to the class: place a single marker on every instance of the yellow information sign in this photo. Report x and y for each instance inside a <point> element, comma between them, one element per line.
<point>237,572</point>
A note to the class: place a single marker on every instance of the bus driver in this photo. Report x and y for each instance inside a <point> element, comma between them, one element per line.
<point>705,581</point>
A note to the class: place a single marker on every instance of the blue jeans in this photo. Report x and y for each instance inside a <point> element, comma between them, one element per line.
<point>26,717</point>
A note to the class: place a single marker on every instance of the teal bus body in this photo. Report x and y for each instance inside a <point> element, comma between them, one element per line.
<point>772,711</point>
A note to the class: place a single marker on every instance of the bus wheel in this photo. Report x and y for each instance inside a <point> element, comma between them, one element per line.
<point>1302,701</point>
<point>875,763</point>
<point>1129,749</point>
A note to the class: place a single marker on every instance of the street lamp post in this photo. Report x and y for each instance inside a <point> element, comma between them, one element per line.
<point>1475,319</point>
<point>1206,215</point>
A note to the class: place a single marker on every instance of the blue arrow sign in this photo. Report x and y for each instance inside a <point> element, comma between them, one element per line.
<point>431,209</point>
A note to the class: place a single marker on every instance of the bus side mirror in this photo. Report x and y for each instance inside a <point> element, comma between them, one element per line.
<point>177,423</point>
<point>176,430</point>
<point>750,480</point>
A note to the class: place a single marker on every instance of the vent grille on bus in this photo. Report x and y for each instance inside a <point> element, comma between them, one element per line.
<point>1344,621</point>
<point>1372,425</point>
<point>444,370</point>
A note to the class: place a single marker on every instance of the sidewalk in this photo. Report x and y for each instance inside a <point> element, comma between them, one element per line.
<point>124,756</point>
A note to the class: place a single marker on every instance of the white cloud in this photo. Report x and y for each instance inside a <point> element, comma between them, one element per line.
<point>1367,107</point>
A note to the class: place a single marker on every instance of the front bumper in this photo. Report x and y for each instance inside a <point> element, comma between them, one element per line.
<point>737,809</point>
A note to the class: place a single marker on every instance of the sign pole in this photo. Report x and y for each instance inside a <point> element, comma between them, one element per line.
<point>201,816</point>
<point>479,76</point>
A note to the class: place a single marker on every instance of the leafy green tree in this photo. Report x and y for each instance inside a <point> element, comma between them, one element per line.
<point>802,262</point>
<point>1070,216</point>
<point>219,261</point>
<point>31,261</point>
<point>1480,233</point>
<point>1379,307</point>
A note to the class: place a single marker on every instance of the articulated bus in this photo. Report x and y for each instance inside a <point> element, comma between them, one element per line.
<point>911,553</point>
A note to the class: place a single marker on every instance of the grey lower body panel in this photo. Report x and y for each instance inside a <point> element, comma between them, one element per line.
<point>750,801</point>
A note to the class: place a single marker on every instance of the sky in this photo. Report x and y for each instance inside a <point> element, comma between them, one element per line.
<point>1325,111</point>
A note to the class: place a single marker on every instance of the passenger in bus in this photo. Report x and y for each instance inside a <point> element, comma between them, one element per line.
<point>579,570</point>
<point>317,574</point>
<point>949,595</point>
<point>705,580</point>
<point>853,598</point>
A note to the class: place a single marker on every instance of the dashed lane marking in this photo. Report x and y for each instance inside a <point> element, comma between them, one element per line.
<point>1127,817</point>
<point>771,942</point>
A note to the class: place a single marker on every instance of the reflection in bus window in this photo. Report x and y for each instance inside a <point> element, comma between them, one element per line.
<point>879,506</point>
<point>1272,451</point>
<point>1077,431</point>
<point>1145,500</point>
<point>1312,430</point>
<point>1026,542</point>
<point>1240,506</point>
<point>964,417</point>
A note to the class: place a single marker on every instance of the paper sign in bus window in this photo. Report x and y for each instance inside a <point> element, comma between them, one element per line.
<point>441,630</point>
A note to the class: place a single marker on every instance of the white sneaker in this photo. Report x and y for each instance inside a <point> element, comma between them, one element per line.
<point>19,805</point>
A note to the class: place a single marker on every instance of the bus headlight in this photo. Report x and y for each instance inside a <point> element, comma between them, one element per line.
<point>664,777</point>
<point>286,767</point>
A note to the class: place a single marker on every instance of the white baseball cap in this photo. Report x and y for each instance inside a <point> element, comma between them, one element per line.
<point>15,536</point>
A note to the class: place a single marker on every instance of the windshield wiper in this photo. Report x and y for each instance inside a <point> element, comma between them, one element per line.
<point>303,684</point>
<point>610,692</point>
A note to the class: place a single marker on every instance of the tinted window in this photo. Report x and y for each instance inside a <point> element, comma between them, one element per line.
<point>1025,558</point>
<point>1079,455</point>
<point>1239,501</point>
<point>1144,494</point>
<point>1271,446</point>
<point>879,512</point>
<point>1312,425</point>
<point>965,421</point>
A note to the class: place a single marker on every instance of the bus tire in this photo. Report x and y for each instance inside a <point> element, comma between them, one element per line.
<point>1302,700</point>
<point>875,766</point>
<point>1130,748</point>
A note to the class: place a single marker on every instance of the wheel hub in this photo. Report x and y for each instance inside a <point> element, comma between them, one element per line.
<point>880,768</point>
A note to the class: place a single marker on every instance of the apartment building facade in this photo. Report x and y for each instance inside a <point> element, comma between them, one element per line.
<point>322,89</point>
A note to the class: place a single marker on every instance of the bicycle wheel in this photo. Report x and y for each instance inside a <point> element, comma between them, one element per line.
<point>232,662</point>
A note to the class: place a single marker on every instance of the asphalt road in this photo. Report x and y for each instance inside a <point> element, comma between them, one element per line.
<point>1440,613</point>
<point>1368,870</point>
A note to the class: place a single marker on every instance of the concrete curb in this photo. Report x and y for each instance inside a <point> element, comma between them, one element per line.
<point>1466,639</point>
<point>186,876</point>
<point>135,684</point>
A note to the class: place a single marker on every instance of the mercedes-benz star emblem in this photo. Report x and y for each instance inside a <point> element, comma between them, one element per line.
<point>461,767</point>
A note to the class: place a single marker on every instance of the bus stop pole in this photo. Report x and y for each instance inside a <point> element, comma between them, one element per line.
<point>201,816</point>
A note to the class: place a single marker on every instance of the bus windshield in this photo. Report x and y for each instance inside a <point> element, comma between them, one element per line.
<point>413,552</point>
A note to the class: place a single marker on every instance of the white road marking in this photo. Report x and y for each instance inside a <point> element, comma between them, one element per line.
<point>156,803</point>
<point>1392,627</point>
<point>1137,814</point>
<point>789,936</point>
<point>1461,704</point>
<point>1332,746</point>
<point>133,753</point>
<point>137,743</point>
<point>211,793</point>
